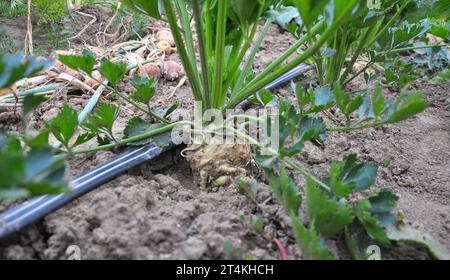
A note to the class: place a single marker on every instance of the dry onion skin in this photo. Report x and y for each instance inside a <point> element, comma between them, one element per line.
<point>134,59</point>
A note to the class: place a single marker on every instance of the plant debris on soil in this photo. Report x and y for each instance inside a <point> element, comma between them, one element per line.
<point>157,211</point>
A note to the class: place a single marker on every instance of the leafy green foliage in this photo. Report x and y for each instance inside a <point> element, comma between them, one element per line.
<point>12,8</point>
<point>285,190</point>
<point>297,128</point>
<point>263,97</point>
<point>382,110</point>
<point>49,12</point>
<point>420,9</point>
<point>24,174</point>
<point>15,67</point>
<point>310,9</point>
<point>406,106</point>
<point>349,175</point>
<point>371,224</point>
<point>245,12</point>
<point>327,207</point>
<point>255,223</point>
<point>442,77</point>
<point>327,215</point>
<point>113,72</point>
<point>102,121</point>
<point>370,228</point>
<point>151,8</point>
<point>441,29</point>
<point>312,245</point>
<point>345,101</point>
<point>135,126</point>
<point>145,89</point>
<point>285,16</point>
<point>84,62</point>
<point>400,35</point>
<point>64,125</point>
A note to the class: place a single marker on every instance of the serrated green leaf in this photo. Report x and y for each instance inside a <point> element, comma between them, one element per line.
<point>381,205</point>
<point>311,128</point>
<point>328,215</point>
<point>145,89</point>
<point>303,97</point>
<point>342,97</point>
<point>348,176</point>
<point>284,15</point>
<point>374,228</point>
<point>363,175</point>
<point>263,97</point>
<point>84,62</point>
<point>383,201</point>
<point>323,99</point>
<point>407,106</point>
<point>441,29</point>
<point>285,190</point>
<point>103,120</point>
<point>64,125</point>
<point>323,96</point>
<point>311,244</point>
<point>40,140</point>
<point>265,161</point>
<point>39,163</point>
<point>113,72</point>
<point>83,138</point>
<point>135,126</point>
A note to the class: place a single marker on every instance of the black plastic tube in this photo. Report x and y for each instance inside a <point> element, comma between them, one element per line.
<point>30,211</point>
<point>34,209</point>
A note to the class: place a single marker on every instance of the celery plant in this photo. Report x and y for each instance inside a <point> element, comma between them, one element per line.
<point>225,31</point>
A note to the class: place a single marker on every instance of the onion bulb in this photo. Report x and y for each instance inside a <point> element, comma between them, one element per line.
<point>172,70</point>
<point>165,47</point>
<point>165,35</point>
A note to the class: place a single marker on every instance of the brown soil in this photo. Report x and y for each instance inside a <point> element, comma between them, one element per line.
<point>86,28</point>
<point>157,212</point>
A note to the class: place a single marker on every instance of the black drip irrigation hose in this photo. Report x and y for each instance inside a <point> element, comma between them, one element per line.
<point>30,211</point>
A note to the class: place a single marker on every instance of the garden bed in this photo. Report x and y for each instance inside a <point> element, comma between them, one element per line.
<point>156,211</point>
